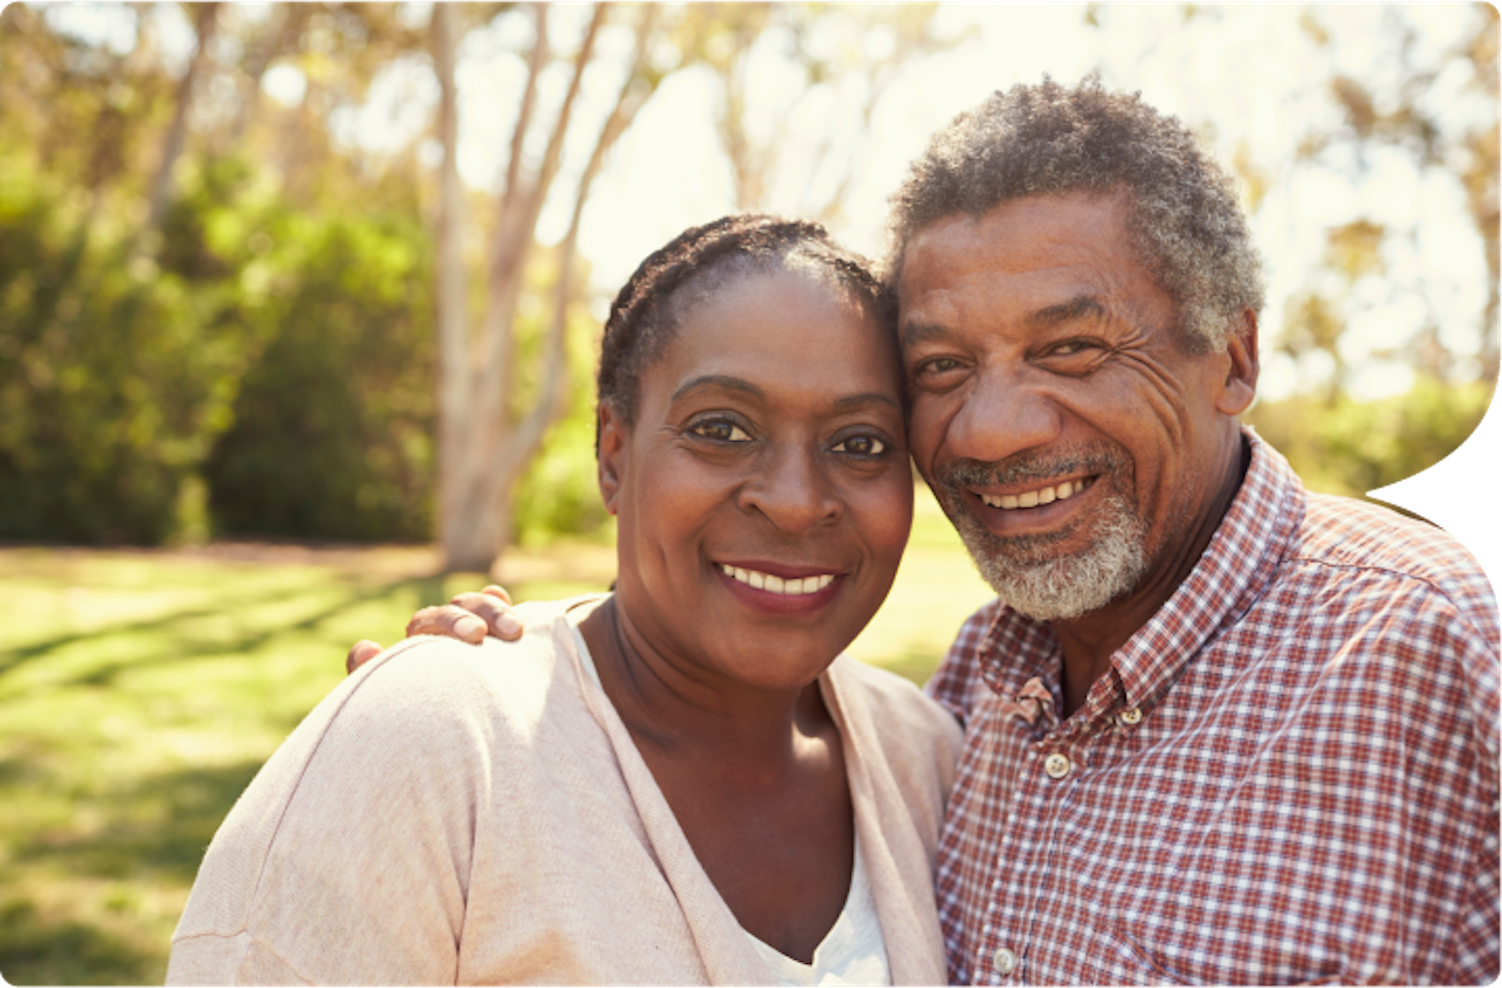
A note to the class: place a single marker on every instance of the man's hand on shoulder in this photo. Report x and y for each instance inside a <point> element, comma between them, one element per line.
<point>468,617</point>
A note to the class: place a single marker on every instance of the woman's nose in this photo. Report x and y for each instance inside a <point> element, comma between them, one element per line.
<point>793,490</point>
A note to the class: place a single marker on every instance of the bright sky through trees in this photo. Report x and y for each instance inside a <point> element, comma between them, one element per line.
<point>1248,76</point>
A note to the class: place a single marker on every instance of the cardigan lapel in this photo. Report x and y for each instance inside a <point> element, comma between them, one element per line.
<point>900,867</point>
<point>723,946</point>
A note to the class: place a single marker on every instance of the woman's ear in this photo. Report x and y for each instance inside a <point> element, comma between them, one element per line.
<point>611,454</point>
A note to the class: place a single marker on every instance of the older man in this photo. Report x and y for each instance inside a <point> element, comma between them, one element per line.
<point>1219,729</point>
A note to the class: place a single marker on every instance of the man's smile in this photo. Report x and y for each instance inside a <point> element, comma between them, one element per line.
<point>1037,497</point>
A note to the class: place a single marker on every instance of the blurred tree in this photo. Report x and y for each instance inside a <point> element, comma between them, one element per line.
<point>1409,106</point>
<point>205,19</point>
<point>837,62</point>
<point>123,348</point>
<point>487,437</point>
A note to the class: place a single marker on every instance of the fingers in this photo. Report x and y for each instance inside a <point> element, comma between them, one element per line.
<point>493,606</point>
<point>360,653</point>
<point>448,621</point>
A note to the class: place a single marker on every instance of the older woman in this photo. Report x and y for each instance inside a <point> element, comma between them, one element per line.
<point>681,781</point>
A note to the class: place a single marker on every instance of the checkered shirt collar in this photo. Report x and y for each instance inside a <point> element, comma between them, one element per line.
<point>1243,556</point>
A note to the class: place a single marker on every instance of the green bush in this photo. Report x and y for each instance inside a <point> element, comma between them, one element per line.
<point>1350,447</point>
<point>332,427</point>
<point>114,372</point>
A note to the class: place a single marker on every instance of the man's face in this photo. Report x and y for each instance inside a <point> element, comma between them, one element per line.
<point>1068,433</point>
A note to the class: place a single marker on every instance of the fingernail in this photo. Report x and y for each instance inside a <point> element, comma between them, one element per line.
<point>470,628</point>
<point>508,624</point>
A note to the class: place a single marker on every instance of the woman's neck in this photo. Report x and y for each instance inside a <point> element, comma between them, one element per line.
<point>681,709</point>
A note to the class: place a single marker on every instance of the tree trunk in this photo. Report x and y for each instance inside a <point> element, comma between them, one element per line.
<point>459,530</point>
<point>172,147</point>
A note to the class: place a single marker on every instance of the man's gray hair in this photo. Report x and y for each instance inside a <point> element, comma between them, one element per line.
<point>1184,217</point>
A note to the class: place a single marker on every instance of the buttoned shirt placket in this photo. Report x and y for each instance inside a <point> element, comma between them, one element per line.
<point>1059,759</point>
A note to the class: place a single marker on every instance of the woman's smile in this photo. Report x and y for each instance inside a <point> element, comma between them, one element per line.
<point>759,586</point>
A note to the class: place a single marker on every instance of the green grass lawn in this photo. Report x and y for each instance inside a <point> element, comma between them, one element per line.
<point>141,691</point>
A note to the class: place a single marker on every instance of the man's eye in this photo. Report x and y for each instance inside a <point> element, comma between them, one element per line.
<point>1071,347</point>
<point>938,365</point>
<point>720,430</point>
<point>861,446</point>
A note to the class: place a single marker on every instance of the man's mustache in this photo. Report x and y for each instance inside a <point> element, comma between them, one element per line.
<point>1030,467</point>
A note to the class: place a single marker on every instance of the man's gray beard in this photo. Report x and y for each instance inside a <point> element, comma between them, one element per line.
<point>1035,582</point>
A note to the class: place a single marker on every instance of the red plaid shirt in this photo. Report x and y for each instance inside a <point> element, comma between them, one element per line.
<point>1290,773</point>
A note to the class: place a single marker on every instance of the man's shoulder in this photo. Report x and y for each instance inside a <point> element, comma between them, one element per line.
<point>1345,533</point>
<point>958,678</point>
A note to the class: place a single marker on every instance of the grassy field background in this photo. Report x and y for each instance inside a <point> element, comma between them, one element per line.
<point>141,691</point>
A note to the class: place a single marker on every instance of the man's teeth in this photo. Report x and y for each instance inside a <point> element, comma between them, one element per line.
<point>1032,499</point>
<point>776,584</point>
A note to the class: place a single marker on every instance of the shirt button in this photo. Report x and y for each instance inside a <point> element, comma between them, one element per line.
<point>1056,765</point>
<point>1005,961</point>
<point>1132,716</point>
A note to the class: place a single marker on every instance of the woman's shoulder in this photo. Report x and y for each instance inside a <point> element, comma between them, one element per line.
<point>428,678</point>
<point>870,691</point>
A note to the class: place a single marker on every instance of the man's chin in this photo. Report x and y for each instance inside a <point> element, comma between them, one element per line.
<point>1038,581</point>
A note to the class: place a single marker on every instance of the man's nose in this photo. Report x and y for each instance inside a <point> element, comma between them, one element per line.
<point>793,489</point>
<point>1002,415</point>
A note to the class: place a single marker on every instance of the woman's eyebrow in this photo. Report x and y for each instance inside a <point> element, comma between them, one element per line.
<point>719,382</point>
<point>864,399</point>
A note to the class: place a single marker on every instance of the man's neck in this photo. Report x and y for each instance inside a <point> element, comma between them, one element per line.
<point>1089,641</point>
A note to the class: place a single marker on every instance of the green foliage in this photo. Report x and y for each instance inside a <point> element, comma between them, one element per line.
<point>1343,446</point>
<point>283,356</point>
<point>332,433</point>
<point>114,373</point>
<point>560,495</point>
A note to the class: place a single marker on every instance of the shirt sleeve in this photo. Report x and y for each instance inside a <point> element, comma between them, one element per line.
<point>955,682</point>
<point>347,859</point>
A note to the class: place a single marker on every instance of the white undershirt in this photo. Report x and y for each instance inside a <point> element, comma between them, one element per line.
<point>853,952</point>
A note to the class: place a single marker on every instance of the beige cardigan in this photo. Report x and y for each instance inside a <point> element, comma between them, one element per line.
<point>479,814</point>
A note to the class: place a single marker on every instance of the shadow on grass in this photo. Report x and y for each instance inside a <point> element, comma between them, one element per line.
<point>161,825</point>
<point>34,950</point>
<point>156,835</point>
<point>428,589</point>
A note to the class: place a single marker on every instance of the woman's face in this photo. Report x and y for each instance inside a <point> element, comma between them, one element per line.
<point>763,492</point>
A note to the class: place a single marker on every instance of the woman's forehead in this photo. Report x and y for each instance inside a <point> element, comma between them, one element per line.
<point>782,327</point>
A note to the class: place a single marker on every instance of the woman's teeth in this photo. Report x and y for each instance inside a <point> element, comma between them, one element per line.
<point>1032,499</point>
<point>776,584</point>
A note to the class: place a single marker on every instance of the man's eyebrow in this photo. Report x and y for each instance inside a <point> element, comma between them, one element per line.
<point>719,382</point>
<point>1078,307</point>
<point>917,332</point>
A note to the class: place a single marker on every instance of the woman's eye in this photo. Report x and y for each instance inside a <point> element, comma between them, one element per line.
<point>861,446</point>
<point>721,431</point>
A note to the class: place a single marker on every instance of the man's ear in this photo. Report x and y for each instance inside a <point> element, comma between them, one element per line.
<point>1240,385</point>
<point>610,454</point>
